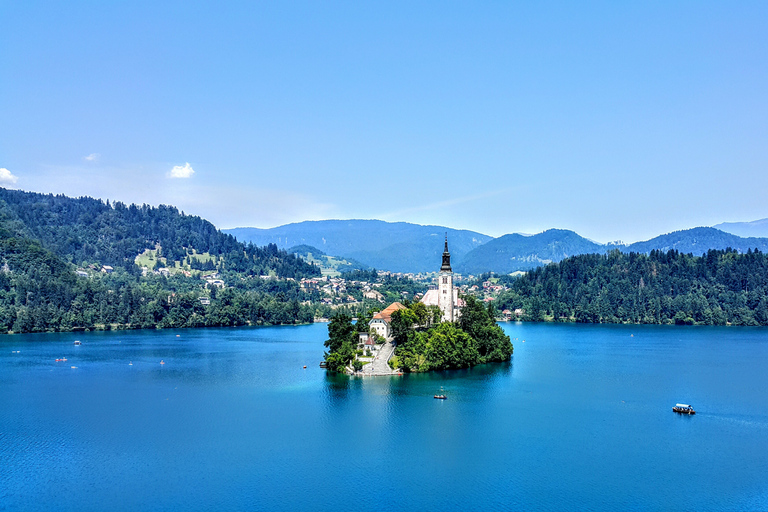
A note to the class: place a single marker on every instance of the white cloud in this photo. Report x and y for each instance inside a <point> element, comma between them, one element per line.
<point>92,157</point>
<point>7,177</point>
<point>178,171</point>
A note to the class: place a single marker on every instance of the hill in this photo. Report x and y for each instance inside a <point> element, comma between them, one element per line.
<point>394,246</point>
<point>329,265</point>
<point>697,241</point>
<point>513,252</point>
<point>43,238</point>
<point>519,252</point>
<point>720,287</point>
<point>756,228</point>
<point>90,230</point>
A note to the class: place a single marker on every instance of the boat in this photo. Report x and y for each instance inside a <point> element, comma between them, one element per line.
<point>323,364</point>
<point>441,397</point>
<point>77,342</point>
<point>62,359</point>
<point>162,362</point>
<point>683,409</point>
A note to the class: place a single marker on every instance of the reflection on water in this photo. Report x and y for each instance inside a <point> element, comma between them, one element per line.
<point>233,420</point>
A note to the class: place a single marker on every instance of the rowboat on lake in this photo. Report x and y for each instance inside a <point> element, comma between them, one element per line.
<point>683,409</point>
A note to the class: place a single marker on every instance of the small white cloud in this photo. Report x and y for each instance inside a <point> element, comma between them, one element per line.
<point>178,171</point>
<point>7,177</point>
<point>92,157</point>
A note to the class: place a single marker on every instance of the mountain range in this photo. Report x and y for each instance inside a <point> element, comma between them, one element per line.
<point>405,247</point>
<point>394,246</point>
<point>756,228</point>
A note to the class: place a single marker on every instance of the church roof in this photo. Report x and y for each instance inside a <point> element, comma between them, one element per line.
<point>446,267</point>
<point>386,313</point>
<point>432,297</point>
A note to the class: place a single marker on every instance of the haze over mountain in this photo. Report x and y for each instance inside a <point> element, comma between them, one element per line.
<point>513,252</point>
<point>698,241</point>
<point>404,247</point>
<point>510,253</point>
<point>756,228</point>
<point>394,246</point>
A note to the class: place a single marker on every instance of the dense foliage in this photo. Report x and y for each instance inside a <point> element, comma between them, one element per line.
<point>342,340</point>
<point>41,236</point>
<point>39,292</point>
<point>86,229</point>
<point>718,288</point>
<point>426,344</point>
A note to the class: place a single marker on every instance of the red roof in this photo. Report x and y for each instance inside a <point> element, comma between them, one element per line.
<point>386,314</point>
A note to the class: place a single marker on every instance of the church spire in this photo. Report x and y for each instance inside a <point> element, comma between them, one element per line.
<point>446,267</point>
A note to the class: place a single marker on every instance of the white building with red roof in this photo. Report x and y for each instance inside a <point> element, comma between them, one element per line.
<point>380,323</point>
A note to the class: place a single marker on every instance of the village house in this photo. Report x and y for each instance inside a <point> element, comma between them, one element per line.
<point>374,295</point>
<point>380,323</point>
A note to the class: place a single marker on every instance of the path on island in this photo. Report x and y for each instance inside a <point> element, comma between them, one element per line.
<point>379,365</point>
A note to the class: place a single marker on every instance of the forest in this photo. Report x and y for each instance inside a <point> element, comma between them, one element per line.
<point>45,239</point>
<point>90,230</point>
<point>721,287</point>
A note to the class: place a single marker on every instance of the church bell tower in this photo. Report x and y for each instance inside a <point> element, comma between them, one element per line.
<point>445,286</point>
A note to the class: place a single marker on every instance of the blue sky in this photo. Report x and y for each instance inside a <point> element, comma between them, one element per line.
<point>619,120</point>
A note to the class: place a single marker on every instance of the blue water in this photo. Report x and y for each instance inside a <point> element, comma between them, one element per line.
<point>580,419</point>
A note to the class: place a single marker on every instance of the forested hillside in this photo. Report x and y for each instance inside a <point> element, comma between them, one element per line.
<point>718,288</point>
<point>44,238</point>
<point>90,230</point>
<point>697,241</point>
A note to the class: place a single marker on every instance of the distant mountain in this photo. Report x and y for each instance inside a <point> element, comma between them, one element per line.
<point>756,228</point>
<point>510,253</point>
<point>404,247</point>
<point>394,246</point>
<point>698,241</point>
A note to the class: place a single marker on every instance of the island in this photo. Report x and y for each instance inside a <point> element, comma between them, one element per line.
<point>443,331</point>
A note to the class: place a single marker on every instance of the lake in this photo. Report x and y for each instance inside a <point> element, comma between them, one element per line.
<point>580,419</point>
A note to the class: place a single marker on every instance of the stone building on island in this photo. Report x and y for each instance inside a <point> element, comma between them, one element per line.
<point>380,323</point>
<point>444,295</point>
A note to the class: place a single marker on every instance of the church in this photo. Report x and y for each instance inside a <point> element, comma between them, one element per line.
<point>445,295</point>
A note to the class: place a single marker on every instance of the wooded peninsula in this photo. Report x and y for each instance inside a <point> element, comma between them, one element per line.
<point>719,288</point>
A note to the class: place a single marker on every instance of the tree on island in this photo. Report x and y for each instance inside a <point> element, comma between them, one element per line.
<point>341,342</point>
<point>430,345</point>
<point>423,342</point>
